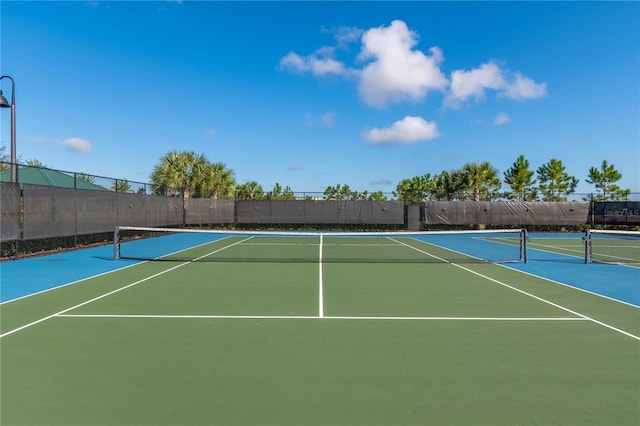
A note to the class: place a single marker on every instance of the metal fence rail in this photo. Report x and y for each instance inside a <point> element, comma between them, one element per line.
<point>39,212</point>
<point>48,203</point>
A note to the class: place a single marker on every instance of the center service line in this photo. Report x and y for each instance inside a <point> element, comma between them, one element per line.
<point>320,289</point>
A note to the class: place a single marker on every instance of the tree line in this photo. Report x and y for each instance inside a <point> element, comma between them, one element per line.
<point>191,175</point>
<point>481,181</point>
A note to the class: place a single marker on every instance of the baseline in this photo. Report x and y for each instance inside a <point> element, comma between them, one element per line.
<point>341,317</point>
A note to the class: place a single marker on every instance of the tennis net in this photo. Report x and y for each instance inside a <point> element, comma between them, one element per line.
<point>198,245</point>
<point>620,247</point>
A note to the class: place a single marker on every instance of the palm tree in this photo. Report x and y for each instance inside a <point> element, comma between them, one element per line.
<point>357,195</point>
<point>416,189</point>
<point>4,158</point>
<point>249,191</point>
<point>519,178</point>
<point>287,194</point>
<point>338,192</point>
<point>378,196</point>
<point>555,182</point>
<point>604,179</point>
<point>121,185</point>
<point>218,180</point>
<point>448,185</point>
<point>36,163</point>
<point>275,193</point>
<point>483,179</point>
<point>279,193</point>
<point>85,177</point>
<point>181,171</point>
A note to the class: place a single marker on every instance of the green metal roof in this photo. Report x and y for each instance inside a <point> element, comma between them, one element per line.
<point>48,177</point>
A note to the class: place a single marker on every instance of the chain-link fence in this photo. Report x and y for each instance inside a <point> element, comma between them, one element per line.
<point>40,175</point>
<point>49,203</point>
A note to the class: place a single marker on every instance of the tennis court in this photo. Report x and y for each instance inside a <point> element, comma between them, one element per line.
<point>322,329</point>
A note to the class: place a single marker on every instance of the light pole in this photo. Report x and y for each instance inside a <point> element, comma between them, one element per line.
<point>12,105</point>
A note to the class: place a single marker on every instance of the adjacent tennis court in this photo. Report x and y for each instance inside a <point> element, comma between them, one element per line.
<point>324,329</point>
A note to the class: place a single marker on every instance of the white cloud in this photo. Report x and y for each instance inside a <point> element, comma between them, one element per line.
<point>467,84</point>
<point>318,63</point>
<point>501,118</point>
<point>524,88</point>
<point>381,181</point>
<point>406,131</point>
<point>474,83</point>
<point>346,35</point>
<point>78,144</point>
<point>293,62</point>
<point>397,72</point>
<point>393,70</point>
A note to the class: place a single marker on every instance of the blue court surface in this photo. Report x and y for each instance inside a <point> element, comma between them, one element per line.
<point>25,277</point>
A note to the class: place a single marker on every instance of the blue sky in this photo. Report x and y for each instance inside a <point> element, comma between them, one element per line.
<point>315,94</point>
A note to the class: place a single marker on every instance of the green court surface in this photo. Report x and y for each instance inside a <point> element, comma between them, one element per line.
<point>305,331</point>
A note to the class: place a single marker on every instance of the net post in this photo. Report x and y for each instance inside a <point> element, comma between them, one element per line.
<point>116,243</point>
<point>588,251</point>
<point>524,236</point>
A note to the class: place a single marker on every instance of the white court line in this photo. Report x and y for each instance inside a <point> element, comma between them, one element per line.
<point>108,272</point>
<point>551,247</point>
<point>70,283</point>
<point>633,336</point>
<point>297,317</point>
<point>548,279</point>
<point>320,284</point>
<point>580,317</point>
<point>593,293</point>
<point>536,246</point>
<point>118,289</point>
